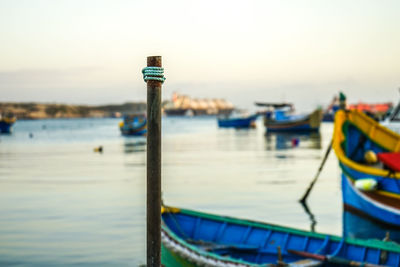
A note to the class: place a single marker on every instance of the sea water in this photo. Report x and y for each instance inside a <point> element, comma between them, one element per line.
<point>61,203</point>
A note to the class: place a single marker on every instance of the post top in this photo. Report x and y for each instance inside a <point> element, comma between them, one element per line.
<point>154,61</point>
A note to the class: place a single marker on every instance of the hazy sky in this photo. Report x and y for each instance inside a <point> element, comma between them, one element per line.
<point>92,52</point>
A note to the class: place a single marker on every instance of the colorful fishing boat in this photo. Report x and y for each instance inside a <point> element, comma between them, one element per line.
<point>369,157</point>
<point>6,124</point>
<point>134,125</point>
<point>237,121</point>
<point>191,238</point>
<point>280,119</point>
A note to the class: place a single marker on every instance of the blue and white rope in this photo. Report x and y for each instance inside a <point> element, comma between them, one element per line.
<point>153,74</point>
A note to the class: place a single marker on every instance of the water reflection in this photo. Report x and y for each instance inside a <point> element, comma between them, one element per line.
<point>279,141</point>
<point>134,145</point>
<point>313,221</point>
<point>356,226</point>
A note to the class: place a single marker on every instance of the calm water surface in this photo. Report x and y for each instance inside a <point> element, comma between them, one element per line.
<point>63,204</point>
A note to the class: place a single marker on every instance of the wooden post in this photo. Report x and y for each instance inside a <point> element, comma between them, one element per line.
<point>154,167</point>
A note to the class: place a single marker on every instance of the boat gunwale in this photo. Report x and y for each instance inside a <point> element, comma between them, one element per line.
<point>367,198</point>
<point>378,191</point>
<point>372,243</point>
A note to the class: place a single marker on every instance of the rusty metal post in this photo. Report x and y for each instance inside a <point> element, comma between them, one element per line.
<point>154,167</point>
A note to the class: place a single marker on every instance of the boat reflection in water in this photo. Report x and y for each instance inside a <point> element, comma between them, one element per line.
<point>358,226</point>
<point>134,145</point>
<point>280,140</point>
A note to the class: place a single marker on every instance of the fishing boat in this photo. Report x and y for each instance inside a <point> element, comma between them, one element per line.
<point>392,121</point>
<point>280,119</point>
<point>237,121</point>
<point>369,157</point>
<point>192,238</point>
<point>134,125</point>
<point>329,113</point>
<point>6,123</point>
<point>376,111</point>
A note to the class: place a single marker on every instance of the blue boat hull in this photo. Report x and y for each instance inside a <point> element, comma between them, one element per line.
<point>196,239</point>
<point>237,122</point>
<point>328,117</point>
<point>5,127</point>
<point>364,204</point>
<point>356,225</point>
<point>309,123</point>
<point>134,127</point>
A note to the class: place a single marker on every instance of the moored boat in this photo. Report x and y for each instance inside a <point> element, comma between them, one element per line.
<point>281,120</point>
<point>6,123</point>
<point>191,238</point>
<point>237,121</point>
<point>368,155</point>
<point>134,125</point>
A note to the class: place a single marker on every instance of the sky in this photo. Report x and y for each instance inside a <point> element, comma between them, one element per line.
<point>300,51</point>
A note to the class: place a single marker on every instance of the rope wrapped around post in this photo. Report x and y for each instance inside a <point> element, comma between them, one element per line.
<point>153,74</point>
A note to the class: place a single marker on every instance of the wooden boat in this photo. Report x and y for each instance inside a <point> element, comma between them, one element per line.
<point>191,238</point>
<point>355,135</point>
<point>6,124</point>
<point>278,118</point>
<point>293,123</point>
<point>237,122</point>
<point>134,125</point>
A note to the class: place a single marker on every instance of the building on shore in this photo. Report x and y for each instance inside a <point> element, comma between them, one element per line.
<point>182,105</point>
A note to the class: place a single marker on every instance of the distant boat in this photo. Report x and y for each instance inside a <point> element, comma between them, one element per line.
<point>392,121</point>
<point>280,119</point>
<point>329,114</point>
<point>134,125</point>
<point>375,110</point>
<point>182,105</point>
<point>191,238</point>
<point>6,123</point>
<point>237,121</point>
<point>369,157</point>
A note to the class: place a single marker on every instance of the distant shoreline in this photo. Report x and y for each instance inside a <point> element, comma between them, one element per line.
<point>33,110</point>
